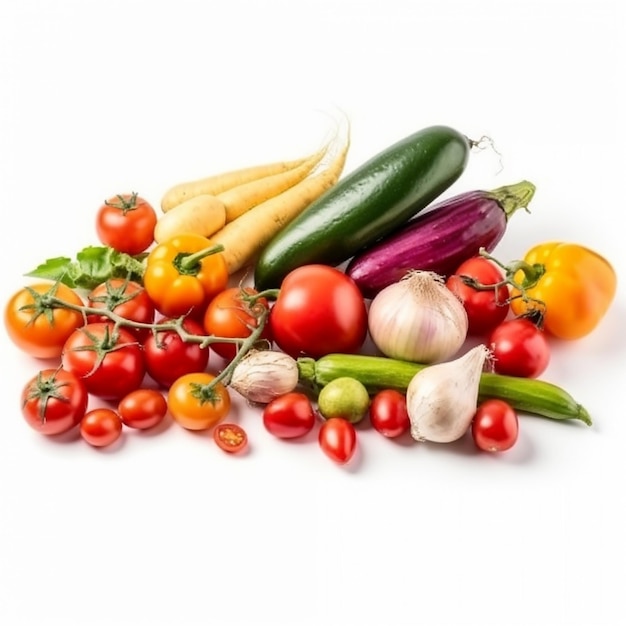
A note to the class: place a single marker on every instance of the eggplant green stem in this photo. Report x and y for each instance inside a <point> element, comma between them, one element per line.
<point>513,197</point>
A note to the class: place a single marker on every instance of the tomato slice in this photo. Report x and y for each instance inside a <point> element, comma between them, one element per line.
<point>230,437</point>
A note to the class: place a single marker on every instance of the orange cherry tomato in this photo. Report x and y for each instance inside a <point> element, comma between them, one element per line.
<point>194,404</point>
<point>37,324</point>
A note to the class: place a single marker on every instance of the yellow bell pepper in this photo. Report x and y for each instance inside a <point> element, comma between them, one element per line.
<point>571,286</point>
<point>184,273</point>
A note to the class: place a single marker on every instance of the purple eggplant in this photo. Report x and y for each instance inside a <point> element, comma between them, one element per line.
<point>439,240</point>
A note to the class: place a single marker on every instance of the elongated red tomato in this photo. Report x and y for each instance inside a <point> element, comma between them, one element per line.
<point>495,426</point>
<point>338,440</point>
<point>289,416</point>
<point>101,427</point>
<point>319,310</point>
<point>142,408</point>
<point>388,413</point>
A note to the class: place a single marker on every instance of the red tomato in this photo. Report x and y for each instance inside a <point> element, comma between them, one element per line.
<point>495,426</point>
<point>337,439</point>
<point>319,310</point>
<point>519,348</point>
<point>289,416</point>
<point>101,427</point>
<point>168,357</point>
<point>485,308</point>
<point>230,315</point>
<point>54,401</point>
<point>388,413</point>
<point>142,408</point>
<point>126,298</point>
<point>110,362</point>
<point>231,438</point>
<point>126,222</point>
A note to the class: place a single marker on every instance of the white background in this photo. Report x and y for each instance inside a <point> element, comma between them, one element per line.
<point>98,98</point>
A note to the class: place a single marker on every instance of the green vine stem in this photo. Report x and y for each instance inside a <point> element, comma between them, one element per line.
<point>260,311</point>
<point>531,275</point>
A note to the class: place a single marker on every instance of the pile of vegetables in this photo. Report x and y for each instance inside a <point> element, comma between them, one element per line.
<point>236,286</point>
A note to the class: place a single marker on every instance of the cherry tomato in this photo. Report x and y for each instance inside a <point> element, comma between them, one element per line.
<point>142,408</point>
<point>195,407</point>
<point>485,308</point>
<point>519,348</point>
<point>230,315</point>
<point>388,413</point>
<point>495,426</point>
<point>289,416</point>
<point>127,299</point>
<point>230,437</point>
<point>109,361</point>
<point>337,439</point>
<point>37,326</point>
<point>319,310</point>
<point>126,223</point>
<point>54,401</point>
<point>168,357</point>
<point>101,427</point>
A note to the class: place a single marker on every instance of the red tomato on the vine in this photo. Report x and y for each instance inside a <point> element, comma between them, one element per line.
<point>485,308</point>
<point>108,360</point>
<point>54,401</point>
<point>126,298</point>
<point>495,426</point>
<point>230,315</point>
<point>519,348</point>
<point>319,310</point>
<point>168,357</point>
<point>126,223</point>
<point>289,416</point>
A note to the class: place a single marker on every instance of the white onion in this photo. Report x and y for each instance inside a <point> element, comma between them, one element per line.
<point>418,319</point>
<point>441,399</point>
<point>263,375</point>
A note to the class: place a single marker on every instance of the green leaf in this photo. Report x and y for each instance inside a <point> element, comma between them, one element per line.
<point>93,266</point>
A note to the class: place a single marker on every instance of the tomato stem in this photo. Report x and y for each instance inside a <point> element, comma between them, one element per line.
<point>123,203</point>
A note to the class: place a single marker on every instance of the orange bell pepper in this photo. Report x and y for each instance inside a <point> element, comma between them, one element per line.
<point>571,286</point>
<point>184,273</point>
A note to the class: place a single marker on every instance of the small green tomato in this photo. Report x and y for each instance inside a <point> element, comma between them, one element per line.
<point>344,397</point>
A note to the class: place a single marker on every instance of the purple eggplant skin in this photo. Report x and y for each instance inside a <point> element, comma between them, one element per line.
<point>439,240</point>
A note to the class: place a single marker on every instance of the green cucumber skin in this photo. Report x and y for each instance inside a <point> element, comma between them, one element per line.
<point>367,204</point>
<point>527,395</point>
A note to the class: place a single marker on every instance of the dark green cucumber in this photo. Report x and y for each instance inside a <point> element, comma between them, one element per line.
<point>367,204</point>
<point>527,395</point>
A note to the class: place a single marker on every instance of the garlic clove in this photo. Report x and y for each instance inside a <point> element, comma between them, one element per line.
<point>442,398</point>
<point>263,375</point>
